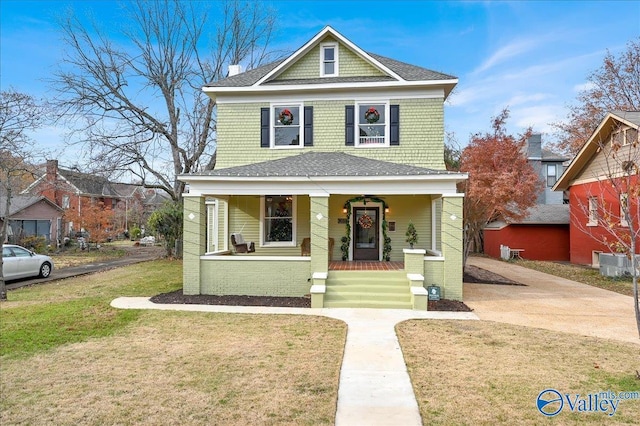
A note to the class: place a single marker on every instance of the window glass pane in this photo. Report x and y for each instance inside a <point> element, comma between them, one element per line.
<point>371,114</point>
<point>287,136</point>
<point>329,67</point>
<point>329,53</point>
<point>287,126</point>
<point>278,218</point>
<point>631,136</point>
<point>19,252</point>
<point>29,227</point>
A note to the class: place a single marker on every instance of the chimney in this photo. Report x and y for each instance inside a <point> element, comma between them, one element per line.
<point>234,70</point>
<point>534,147</point>
<point>52,170</point>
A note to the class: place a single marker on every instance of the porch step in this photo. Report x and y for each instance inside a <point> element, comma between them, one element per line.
<point>367,289</point>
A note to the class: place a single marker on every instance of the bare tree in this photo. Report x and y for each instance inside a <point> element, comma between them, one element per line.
<point>612,203</point>
<point>19,113</point>
<point>614,86</point>
<point>141,103</point>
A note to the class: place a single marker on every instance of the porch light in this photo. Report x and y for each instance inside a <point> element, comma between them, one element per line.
<point>386,209</point>
<point>344,210</point>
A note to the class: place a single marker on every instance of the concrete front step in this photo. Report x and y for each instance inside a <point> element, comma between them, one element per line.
<point>367,289</point>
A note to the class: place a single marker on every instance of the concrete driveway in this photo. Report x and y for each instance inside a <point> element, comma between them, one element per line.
<point>551,303</point>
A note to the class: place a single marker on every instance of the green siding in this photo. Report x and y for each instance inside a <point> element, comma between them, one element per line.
<point>433,273</point>
<point>244,218</point>
<point>452,247</point>
<point>421,134</point>
<point>284,278</point>
<point>194,243</point>
<point>350,65</point>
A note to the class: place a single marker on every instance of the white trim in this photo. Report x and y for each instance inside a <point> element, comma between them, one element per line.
<point>272,124</point>
<point>387,126</point>
<point>414,251</point>
<point>226,234</point>
<point>336,62</point>
<point>212,234</point>
<point>343,96</point>
<point>250,258</point>
<point>320,275</point>
<point>434,209</point>
<point>434,258</point>
<point>279,88</point>
<point>305,186</point>
<point>294,214</point>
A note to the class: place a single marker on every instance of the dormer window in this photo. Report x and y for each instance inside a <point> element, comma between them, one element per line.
<point>329,59</point>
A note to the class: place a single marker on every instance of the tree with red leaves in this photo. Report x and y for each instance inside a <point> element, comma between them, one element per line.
<point>94,218</point>
<point>501,185</point>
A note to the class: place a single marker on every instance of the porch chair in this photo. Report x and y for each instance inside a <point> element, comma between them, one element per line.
<point>240,245</point>
<point>305,247</point>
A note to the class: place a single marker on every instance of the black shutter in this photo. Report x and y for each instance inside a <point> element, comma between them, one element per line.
<point>264,127</point>
<point>349,125</point>
<point>308,126</point>
<point>394,121</point>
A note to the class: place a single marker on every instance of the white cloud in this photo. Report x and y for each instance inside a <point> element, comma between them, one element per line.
<point>511,50</point>
<point>583,87</point>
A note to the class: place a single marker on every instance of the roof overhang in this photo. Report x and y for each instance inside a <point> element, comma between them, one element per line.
<point>588,150</point>
<point>323,185</point>
<point>445,85</point>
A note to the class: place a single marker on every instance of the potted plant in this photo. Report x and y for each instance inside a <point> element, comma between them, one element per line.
<point>345,248</point>
<point>412,235</point>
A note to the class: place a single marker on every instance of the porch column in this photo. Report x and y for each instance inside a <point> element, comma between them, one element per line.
<point>319,233</point>
<point>194,242</point>
<point>451,234</point>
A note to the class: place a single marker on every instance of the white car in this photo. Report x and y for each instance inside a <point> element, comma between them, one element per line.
<point>18,262</point>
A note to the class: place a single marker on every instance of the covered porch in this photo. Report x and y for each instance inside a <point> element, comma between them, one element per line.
<point>308,231</point>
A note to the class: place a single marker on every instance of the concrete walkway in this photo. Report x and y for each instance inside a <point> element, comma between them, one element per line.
<point>374,388</point>
<point>551,303</point>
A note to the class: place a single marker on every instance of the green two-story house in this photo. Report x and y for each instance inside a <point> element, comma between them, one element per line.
<point>323,160</point>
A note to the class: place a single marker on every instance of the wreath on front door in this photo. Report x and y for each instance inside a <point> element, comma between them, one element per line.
<point>372,115</point>
<point>285,117</point>
<point>365,221</point>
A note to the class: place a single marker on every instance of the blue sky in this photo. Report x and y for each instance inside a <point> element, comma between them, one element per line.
<point>530,56</point>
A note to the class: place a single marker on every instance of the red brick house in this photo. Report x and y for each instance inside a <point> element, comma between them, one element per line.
<point>71,189</point>
<point>602,176</point>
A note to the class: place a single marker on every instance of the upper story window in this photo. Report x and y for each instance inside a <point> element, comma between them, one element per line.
<point>287,123</point>
<point>625,136</point>
<point>552,175</point>
<point>329,59</point>
<point>372,128</point>
<point>624,208</point>
<point>65,201</point>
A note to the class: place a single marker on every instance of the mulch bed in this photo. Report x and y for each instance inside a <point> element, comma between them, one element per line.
<point>475,275</point>
<point>472,275</point>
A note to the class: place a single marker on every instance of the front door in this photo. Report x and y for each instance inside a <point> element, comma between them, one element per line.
<point>366,234</point>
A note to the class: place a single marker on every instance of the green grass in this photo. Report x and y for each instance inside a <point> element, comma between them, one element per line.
<point>581,274</point>
<point>40,318</point>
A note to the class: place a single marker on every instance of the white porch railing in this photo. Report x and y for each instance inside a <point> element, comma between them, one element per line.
<point>371,140</point>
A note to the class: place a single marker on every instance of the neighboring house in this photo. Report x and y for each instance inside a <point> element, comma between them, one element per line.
<point>592,201</point>
<point>70,189</point>
<point>544,233</point>
<point>332,143</point>
<point>31,216</point>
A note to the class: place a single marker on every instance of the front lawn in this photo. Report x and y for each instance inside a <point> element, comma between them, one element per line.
<point>481,372</point>
<point>67,357</point>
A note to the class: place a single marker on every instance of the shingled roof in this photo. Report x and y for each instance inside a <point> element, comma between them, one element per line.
<point>405,71</point>
<point>328,164</point>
